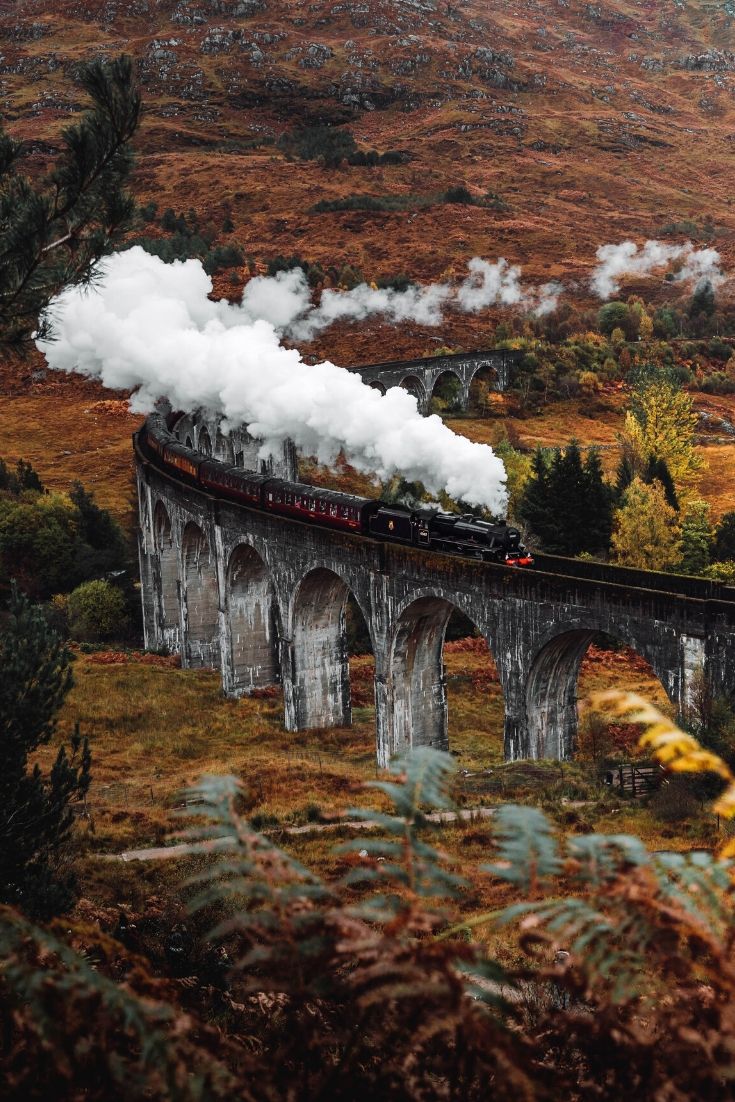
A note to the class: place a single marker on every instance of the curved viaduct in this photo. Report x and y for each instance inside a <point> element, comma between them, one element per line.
<point>263,599</point>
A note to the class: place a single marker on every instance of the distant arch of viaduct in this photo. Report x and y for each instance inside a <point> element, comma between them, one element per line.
<point>421,377</point>
<point>263,599</point>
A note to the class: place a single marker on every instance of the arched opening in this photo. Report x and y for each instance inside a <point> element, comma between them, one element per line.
<point>484,391</point>
<point>320,672</point>
<point>201,600</point>
<point>253,628</point>
<point>443,679</point>
<point>189,443</point>
<point>414,386</point>
<point>362,677</point>
<point>205,442</point>
<point>168,566</point>
<point>223,449</point>
<point>446,396</point>
<point>377,386</point>
<point>568,668</point>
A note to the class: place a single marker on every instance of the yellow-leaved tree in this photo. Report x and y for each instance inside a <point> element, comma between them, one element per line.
<point>646,533</point>
<point>660,424</point>
<point>645,328</point>
<point>517,468</point>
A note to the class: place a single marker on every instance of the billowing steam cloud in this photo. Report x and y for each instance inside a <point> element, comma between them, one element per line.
<point>615,261</point>
<point>285,299</point>
<point>150,327</point>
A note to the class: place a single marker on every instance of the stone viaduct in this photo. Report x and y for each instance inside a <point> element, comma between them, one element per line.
<point>263,599</point>
<point>421,377</point>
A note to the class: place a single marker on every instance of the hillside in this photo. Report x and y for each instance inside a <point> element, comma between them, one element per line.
<point>590,123</point>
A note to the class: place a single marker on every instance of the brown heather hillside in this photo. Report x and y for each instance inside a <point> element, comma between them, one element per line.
<point>591,121</point>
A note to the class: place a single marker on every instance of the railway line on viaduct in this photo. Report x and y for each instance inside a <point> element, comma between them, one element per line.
<point>263,599</point>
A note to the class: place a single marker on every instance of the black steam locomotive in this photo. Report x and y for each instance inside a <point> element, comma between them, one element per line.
<point>427,528</point>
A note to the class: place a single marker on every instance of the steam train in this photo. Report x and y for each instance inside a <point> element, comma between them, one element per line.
<point>427,528</point>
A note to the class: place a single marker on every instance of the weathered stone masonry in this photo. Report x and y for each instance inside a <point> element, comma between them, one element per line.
<point>421,377</point>
<point>264,599</point>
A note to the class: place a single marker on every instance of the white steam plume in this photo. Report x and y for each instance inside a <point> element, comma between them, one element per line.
<point>615,261</point>
<point>285,299</point>
<point>150,327</point>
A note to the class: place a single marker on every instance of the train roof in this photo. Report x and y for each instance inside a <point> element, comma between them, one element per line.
<point>239,472</point>
<point>307,490</point>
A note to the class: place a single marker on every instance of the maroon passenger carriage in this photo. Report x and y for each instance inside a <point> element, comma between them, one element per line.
<point>422,527</point>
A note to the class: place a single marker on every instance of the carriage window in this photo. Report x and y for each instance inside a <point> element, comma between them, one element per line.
<point>312,505</point>
<point>333,510</point>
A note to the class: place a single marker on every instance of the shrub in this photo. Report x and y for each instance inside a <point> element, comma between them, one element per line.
<point>97,612</point>
<point>721,572</point>
<point>674,802</point>
<point>35,808</point>
<point>717,349</point>
<point>328,144</point>
<point>51,542</point>
<point>717,383</point>
<point>371,202</point>
<point>458,194</point>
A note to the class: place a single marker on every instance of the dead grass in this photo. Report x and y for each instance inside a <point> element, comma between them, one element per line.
<point>155,730</point>
<point>68,436</point>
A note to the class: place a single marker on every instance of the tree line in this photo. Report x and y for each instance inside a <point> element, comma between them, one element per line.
<point>651,516</point>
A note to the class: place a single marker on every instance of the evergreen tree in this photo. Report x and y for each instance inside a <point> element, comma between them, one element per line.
<point>52,230</point>
<point>625,474</point>
<point>702,301</point>
<point>724,543</point>
<point>567,488</point>
<point>535,506</point>
<point>567,504</point>
<point>696,539</point>
<point>102,546</point>
<point>657,470</point>
<point>597,507</point>
<point>35,809</point>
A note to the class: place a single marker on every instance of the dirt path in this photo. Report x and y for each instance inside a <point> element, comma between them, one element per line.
<point>164,853</point>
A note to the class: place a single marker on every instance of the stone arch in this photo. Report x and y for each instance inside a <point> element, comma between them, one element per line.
<point>415,386</point>
<point>484,379</point>
<point>551,687</point>
<point>320,674</point>
<point>447,393</point>
<point>417,696</point>
<point>201,599</point>
<point>252,619</point>
<point>204,442</point>
<point>168,571</point>
<point>188,442</point>
<point>223,448</point>
<point>376,385</point>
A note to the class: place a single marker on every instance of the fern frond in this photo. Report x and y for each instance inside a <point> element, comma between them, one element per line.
<point>601,857</point>
<point>527,847</point>
<point>407,861</point>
